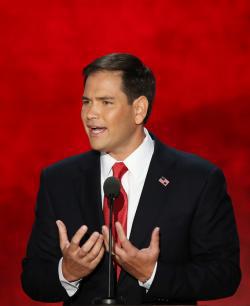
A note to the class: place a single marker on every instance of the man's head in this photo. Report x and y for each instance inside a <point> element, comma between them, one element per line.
<point>117,89</point>
<point>137,79</point>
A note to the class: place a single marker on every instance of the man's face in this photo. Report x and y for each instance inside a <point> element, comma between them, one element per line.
<point>108,119</point>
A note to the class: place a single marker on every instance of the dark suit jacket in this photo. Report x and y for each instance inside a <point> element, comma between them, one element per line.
<point>199,247</point>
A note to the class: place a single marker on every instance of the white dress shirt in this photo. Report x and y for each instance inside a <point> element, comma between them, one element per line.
<point>133,182</point>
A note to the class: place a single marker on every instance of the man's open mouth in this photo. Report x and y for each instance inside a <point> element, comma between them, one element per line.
<point>97,130</point>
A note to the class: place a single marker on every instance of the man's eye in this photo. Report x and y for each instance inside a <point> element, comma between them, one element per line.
<point>107,102</point>
<point>85,102</point>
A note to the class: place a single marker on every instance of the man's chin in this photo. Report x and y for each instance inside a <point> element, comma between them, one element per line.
<point>97,146</point>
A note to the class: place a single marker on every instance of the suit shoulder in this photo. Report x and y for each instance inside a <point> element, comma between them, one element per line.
<point>188,162</point>
<point>192,160</point>
<point>190,169</point>
<point>71,165</point>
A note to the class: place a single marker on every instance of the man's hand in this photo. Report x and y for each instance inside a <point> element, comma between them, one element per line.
<point>79,262</point>
<point>139,263</point>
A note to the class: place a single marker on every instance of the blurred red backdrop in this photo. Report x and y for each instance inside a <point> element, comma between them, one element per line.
<point>200,53</point>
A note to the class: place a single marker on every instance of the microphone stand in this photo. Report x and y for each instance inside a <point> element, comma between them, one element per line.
<point>111,299</point>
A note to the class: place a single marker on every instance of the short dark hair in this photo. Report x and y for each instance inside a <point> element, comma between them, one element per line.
<point>138,80</point>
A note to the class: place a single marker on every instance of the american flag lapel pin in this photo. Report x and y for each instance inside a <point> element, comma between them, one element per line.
<point>164,181</point>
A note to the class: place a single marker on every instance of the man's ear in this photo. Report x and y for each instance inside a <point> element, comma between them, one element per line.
<point>140,106</point>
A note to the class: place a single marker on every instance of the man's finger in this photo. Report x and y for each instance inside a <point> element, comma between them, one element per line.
<point>105,233</point>
<point>120,232</point>
<point>63,236</point>
<point>95,249</point>
<point>98,258</point>
<point>75,241</point>
<point>89,244</point>
<point>119,252</point>
<point>125,243</point>
<point>155,239</point>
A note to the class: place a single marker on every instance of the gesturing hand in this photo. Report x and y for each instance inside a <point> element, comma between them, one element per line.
<point>79,262</point>
<point>139,263</point>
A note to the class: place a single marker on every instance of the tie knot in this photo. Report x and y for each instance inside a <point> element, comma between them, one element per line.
<point>119,169</point>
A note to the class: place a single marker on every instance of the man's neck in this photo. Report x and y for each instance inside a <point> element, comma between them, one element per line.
<point>127,150</point>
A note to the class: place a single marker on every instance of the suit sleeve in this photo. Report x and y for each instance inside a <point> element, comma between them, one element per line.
<point>212,270</point>
<point>39,277</point>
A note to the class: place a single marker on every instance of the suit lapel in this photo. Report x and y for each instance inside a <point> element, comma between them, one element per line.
<point>154,196</point>
<point>90,193</point>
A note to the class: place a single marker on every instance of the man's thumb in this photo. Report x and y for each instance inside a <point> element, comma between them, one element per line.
<point>63,236</point>
<point>155,238</point>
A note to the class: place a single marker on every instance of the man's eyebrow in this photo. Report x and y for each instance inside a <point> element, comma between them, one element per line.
<point>99,98</point>
<point>105,98</point>
<point>85,98</point>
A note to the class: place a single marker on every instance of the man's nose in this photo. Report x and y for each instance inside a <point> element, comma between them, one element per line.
<point>93,111</point>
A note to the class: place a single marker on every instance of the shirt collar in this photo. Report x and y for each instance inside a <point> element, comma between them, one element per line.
<point>135,162</point>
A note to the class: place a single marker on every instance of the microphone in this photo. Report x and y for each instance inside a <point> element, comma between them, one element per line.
<point>111,188</point>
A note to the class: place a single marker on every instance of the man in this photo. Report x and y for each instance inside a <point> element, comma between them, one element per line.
<point>176,241</point>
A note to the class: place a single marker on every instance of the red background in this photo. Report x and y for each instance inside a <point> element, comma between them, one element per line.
<point>200,53</point>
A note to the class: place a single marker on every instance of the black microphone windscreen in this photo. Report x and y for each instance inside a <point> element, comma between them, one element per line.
<point>111,187</point>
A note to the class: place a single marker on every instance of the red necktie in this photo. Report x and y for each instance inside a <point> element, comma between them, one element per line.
<point>120,210</point>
